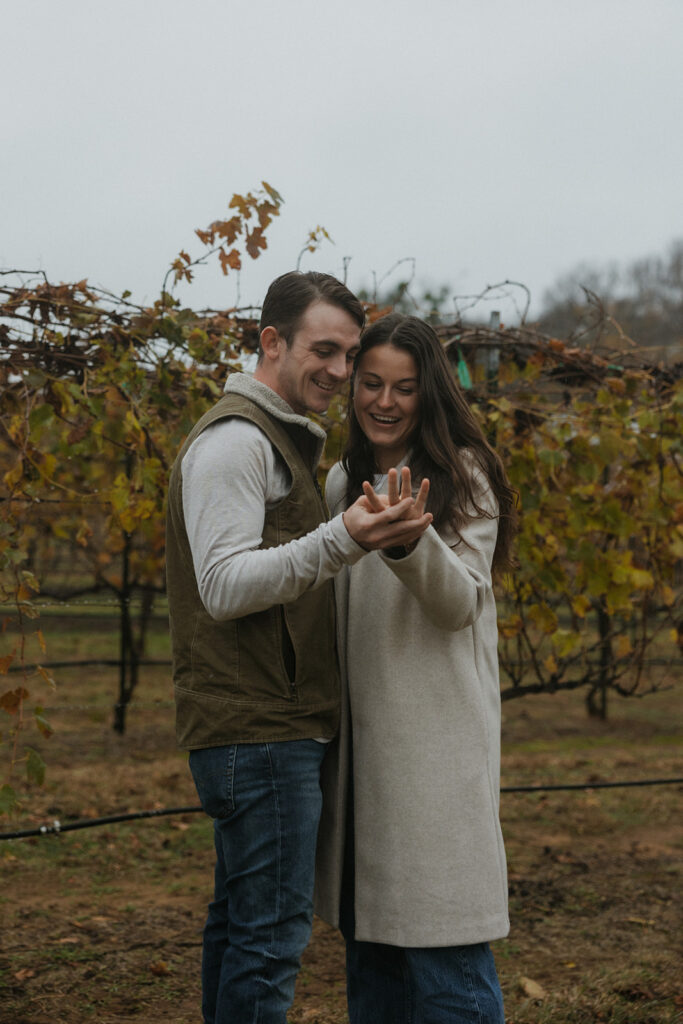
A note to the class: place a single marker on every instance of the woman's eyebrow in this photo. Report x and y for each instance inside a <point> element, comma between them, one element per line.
<point>403,380</point>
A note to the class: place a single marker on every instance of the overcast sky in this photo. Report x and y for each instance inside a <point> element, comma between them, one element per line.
<point>486,139</point>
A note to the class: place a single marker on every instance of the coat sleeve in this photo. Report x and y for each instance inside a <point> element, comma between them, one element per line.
<point>449,576</point>
<point>335,489</point>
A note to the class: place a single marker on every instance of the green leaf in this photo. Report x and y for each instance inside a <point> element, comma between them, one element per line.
<point>8,800</point>
<point>41,721</point>
<point>35,767</point>
<point>41,414</point>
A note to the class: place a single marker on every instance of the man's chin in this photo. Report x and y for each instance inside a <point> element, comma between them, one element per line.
<point>320,399</point>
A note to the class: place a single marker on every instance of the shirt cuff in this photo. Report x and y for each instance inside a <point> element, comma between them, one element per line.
<point>351,551</point>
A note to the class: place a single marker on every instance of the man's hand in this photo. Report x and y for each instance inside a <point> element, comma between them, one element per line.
<point>389,521</point>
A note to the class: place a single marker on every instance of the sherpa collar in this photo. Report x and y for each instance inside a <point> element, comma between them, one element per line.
<point>267,399</point>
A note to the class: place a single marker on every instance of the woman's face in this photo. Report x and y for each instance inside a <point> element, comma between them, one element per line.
<point>386,400</point>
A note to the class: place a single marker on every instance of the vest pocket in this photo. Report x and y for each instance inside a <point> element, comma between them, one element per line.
<point>288,652</point>
<point>263,673</point>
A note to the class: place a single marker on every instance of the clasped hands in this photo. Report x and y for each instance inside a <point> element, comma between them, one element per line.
<point>395,519</point>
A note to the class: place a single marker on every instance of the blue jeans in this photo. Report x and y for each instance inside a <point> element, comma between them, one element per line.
<point>407,985</point>
<point>265,800</point>
<point>414,985</point>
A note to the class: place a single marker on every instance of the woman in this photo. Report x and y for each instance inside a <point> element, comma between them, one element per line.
<point>411,859</point>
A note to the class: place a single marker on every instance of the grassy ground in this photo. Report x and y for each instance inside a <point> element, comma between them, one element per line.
<point>104,925</point>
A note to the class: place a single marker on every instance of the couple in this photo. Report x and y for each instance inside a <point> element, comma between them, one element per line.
<point>405,846</point>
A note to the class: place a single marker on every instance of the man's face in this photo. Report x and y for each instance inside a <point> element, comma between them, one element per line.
<point>319,360</point>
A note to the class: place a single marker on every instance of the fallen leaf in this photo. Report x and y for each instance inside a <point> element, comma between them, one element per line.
<point>24,973</point>
<point>159,967</point>
<point>639,920</point>
<point>532,989</point>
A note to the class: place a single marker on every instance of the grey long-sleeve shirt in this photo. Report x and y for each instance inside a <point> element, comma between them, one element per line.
<point>231,475</point>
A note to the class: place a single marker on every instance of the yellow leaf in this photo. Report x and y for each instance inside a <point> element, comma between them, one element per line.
<point>510,627</point>
<point>544,617</point>
<point>550,664</point>
<point>47,677</point>
<point>641,578</point>
<point>623,646</point>
<point>14,475</point>
<point>581,605</point>
<point>532,988</point>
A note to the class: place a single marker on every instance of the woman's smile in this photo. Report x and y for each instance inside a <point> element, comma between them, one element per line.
<point>386,401</point>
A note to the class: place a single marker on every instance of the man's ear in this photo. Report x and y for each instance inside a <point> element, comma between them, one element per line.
<point>271,342</point>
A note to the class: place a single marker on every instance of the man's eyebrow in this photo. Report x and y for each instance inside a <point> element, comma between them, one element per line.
<point>335,345</point>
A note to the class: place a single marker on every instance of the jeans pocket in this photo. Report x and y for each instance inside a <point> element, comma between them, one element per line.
<point>213,771</point>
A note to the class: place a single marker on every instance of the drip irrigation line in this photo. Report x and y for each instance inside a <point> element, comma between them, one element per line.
<point>108,662</point>
<point>56,828</point>
<point>134,705</point>
<point>590,785</point>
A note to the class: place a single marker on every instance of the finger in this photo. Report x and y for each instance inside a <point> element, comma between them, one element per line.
<point>402,509</point>
<point>404,531</point>
<point>406,483</point>
<point>372,498</point>
<point>418,528</point>
<point>421,499</point>
<point>392,487</point>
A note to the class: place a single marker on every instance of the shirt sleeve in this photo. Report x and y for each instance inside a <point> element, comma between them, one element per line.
<point>231,474</point>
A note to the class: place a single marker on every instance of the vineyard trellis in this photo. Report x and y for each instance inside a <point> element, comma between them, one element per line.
<point>98,393</point>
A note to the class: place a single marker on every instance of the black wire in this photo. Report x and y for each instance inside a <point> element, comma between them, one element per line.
<point>57,828</point>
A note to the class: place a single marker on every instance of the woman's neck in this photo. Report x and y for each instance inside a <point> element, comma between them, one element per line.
<point>386,459</point>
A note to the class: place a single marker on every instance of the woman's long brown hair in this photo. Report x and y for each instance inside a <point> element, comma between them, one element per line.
<point>447,440</point>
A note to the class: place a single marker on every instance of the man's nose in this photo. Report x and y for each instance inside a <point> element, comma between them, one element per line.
<point>339,367</point>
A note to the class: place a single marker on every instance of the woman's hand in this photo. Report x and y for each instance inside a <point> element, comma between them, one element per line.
<point>378,502</point>
<point>393,521</point>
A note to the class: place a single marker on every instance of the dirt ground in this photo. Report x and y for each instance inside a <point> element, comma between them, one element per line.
<point>104,924</point>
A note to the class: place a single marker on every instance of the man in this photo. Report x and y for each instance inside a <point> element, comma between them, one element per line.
<point>250,561</point>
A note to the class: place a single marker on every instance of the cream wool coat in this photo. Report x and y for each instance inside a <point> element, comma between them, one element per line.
<point>418,652</point>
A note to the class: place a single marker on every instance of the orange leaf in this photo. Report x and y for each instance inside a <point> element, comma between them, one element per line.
<point>11,701</point>
<point>255,242</point>
<point>229,260</point>
<point>159,967</point>
<point>5,663</point>
<point>228,229</point>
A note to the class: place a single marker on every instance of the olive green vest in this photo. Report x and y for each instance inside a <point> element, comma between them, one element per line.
<point>267,676</point>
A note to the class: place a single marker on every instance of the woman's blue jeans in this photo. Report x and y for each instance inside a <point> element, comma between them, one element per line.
<point>265,800</point>
<point>443,985</point>
<point>414,985</point>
